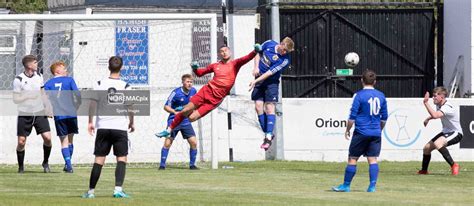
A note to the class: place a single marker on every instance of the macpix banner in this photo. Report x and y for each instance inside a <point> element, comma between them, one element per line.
<point>76,103</point>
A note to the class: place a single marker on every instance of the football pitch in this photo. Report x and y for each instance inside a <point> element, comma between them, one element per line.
<point>247,183</point>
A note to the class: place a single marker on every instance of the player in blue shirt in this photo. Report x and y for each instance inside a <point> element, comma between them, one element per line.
<point>175,103</point>
<point>65,99</point>
<point>269,64</point>
<point>369,113</point>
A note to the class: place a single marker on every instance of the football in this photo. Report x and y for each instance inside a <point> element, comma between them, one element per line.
<point>351,59</point>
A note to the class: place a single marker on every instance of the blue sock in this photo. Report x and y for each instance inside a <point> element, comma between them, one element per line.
<point>192,156</point>
<point>261,120</point>
<point>349,174</point>
<point>164,156</point>
<point>270,123</point>
<point>373,173</point>
<point>71,149</point>
<point>67,157</point>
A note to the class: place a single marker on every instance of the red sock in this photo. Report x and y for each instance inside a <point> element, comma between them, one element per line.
<point>178,118</point>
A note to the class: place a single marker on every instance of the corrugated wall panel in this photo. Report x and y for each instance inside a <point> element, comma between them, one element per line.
<point>398,44</point>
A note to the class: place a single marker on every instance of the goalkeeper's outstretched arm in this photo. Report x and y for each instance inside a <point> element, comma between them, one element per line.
<point>243,60</point>
<point>201,71</point>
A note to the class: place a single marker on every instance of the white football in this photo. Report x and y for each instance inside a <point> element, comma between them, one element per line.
<point>351,59</point>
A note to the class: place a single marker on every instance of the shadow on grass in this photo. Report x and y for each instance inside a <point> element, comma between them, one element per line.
<point>352,191</point>
<point>15,171</point>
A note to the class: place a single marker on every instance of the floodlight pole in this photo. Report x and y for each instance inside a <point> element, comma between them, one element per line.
<point>277,150</point>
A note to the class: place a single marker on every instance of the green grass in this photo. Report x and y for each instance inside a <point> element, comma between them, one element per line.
<point>248,183</point>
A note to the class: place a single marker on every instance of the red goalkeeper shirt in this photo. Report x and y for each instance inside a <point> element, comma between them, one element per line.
<point>224,74</point>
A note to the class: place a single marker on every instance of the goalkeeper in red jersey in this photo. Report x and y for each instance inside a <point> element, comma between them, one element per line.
<point>211,94</point>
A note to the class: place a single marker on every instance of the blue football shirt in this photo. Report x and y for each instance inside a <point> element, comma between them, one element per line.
<point>271,60</point>
<point>179,98</point>
<point>369,108</point>
<point>61,94</point>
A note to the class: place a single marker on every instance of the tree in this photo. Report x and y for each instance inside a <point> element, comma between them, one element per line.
<point>28,6</point>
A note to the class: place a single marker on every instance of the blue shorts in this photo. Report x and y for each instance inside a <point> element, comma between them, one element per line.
<point>368,146</point>
<point>265,92</point>
<point>186,130</point>
<point>66,126</point>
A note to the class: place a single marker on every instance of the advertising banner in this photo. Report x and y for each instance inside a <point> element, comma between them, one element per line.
<point>131,43</point>
<point>319,124</point>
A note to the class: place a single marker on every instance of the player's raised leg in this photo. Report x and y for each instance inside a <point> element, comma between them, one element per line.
<point>178,118</point>
<point>197,113</point>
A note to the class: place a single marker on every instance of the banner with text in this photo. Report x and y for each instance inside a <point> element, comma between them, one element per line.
<point>319,124</point>
<point>131,43</point>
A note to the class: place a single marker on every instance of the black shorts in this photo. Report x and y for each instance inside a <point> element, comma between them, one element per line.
<point>106,138</point>
<point>451,138</point>
<point>26,123</point>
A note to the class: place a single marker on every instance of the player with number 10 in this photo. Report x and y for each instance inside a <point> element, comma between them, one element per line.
<point>368,113</point>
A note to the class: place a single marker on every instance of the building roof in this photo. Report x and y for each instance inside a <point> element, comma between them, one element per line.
<point>55,5</point>
<point>4,11</point>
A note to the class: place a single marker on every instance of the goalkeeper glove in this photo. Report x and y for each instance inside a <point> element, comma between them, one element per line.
<point>178,108</point>
<point>194,65</point>
<point>257,47</point>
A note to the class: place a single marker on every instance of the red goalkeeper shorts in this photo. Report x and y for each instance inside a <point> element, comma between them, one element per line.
<point>205,101</point>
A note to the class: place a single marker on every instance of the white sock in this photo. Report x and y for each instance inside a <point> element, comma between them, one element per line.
<point>269,136</point>
<point>91,191</point>
<point>118,189</point>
